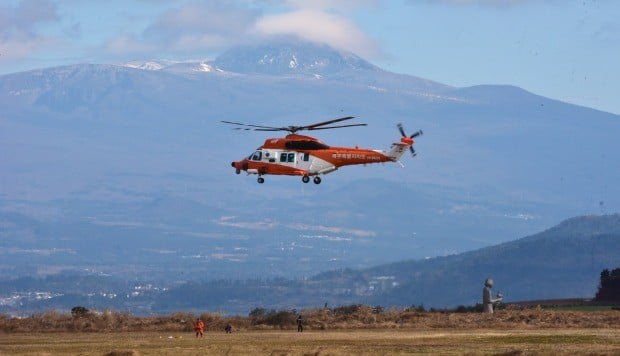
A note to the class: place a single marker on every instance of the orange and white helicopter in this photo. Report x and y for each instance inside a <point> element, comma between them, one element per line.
<point>305,156</point>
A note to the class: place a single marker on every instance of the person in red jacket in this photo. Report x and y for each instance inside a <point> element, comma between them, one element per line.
<point>199,327</point>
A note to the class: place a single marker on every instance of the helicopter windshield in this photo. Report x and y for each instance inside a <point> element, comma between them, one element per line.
<point>256,156</point>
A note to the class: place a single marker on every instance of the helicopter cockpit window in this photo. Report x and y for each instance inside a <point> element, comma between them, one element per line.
<point>257,156</point>
<point>283,157</point>
<point>291,157</point>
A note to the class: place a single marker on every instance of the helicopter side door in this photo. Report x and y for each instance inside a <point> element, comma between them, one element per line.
<point>288,158</point>
<point>313,164</point>
<point>304,160</point>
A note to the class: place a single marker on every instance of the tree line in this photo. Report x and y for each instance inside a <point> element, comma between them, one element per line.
<point>609,287</point>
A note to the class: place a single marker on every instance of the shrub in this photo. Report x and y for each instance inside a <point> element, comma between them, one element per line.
<point>347,309</point>
<point>257,313</point>
<point>79,311</point>
<point>280,318</point>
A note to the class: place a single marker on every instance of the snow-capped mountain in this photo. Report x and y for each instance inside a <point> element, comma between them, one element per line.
<point>274,59</point>
<point>302,60</point>
<point>292,58</point>
<point>319,61</point>
<point>149,65</point>
<point>173,66</point>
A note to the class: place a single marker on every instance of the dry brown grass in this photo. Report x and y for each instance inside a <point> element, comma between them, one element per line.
<point>315,319</point>
<point>360,331</point>
<point>333,342</point>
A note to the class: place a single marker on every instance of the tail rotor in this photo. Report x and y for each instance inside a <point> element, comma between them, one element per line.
<point>410,137</point>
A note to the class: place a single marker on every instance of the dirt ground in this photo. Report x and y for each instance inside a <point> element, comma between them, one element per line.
<point>597,341</point>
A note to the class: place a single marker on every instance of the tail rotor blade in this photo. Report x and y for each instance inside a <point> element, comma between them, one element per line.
<point>402,131</point>
<point>416,134</point>
<point>412,151</point>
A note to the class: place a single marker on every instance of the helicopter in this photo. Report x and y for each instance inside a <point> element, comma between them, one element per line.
<point>305,156</point>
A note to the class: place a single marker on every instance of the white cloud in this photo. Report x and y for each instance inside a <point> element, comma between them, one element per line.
<point>127,44</point>
<point>212,26</point>
<point>190,29</point>
<point>328,5</point>
<point>209,23</point>
<point>318,26</point>
<point>252,225</point>
<point>476,2</point>
<point>19,28</point>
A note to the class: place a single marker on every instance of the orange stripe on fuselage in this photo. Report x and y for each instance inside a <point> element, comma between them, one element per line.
<point>343,156</point>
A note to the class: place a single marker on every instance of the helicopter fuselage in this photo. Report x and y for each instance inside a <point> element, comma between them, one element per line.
<point>299,155</point>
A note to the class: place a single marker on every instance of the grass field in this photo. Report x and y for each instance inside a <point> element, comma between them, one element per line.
<point>599,341</point>
<point>583,307</point>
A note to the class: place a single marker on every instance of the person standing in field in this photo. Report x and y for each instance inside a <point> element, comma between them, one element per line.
<point>300,324</point>
<point>199,327</point>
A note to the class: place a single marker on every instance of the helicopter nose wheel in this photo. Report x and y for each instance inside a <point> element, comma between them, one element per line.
<point>261,180</point>
<point>237,171</point>
<point>305,179</point>
<point>317,180</point>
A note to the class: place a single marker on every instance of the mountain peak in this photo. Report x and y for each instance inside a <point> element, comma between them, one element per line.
<point>589,224</point>
<point>290,58</point>
<point>171,66</point>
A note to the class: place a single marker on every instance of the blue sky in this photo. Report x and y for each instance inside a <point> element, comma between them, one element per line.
<point>564,49</point>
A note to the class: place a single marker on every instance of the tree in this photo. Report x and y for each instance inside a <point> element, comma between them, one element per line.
<point>79,311</point>
<point>609,287</point>
<point>257,312</point>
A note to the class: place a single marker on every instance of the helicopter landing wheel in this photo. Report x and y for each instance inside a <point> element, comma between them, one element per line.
<point>237,171</point>
<point>317,180</point>
<point>261,180</point>
<point>305,179</point>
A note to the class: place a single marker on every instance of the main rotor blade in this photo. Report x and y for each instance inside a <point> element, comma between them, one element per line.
<point>253,129</point>
<point>249,125</point>
<point>293,129</point>
<point>335,127</point>
<point>400,128</point>
<point>326,122</point>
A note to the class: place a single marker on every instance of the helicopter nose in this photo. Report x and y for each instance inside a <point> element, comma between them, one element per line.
<point>237,166</point>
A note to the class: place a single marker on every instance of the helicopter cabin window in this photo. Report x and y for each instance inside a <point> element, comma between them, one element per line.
<point>306,157</point>
<point>291,157</point>
<point>283,157</point>
<point>257,156</point>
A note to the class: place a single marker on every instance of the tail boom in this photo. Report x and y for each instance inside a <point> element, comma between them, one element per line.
<point>398,149</point>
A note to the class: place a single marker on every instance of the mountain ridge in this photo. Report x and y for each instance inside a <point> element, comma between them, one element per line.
<point>445,283</point>
<point>576,248</point>
<point>584,246</point>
